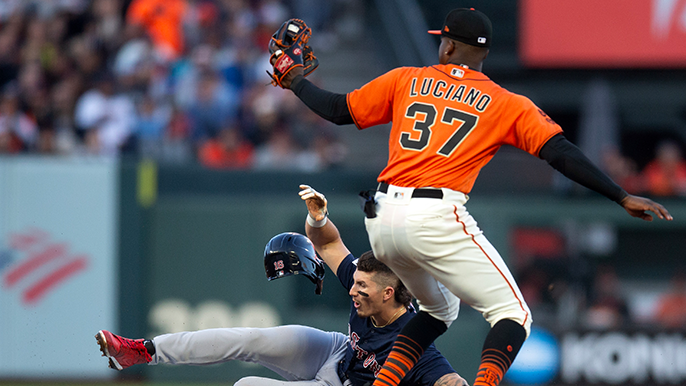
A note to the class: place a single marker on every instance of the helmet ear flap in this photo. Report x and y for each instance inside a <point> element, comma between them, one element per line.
<point>319,272</point>
<point>319,287</point>
<point>316,274</point>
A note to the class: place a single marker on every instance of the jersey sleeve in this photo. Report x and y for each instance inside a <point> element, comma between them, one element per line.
<point>346,270</point>
<point>532,127</point>
<point>372,104</point>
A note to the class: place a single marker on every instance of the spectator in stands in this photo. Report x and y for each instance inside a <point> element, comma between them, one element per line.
<point>52,51</point>
<point>622,170</point>
<point>18,131</point>
<point>87,55</point>
<point>31,83</point>
<point>330,151</point>
<point>176,144</point>
<point>63,97</point>
<point>212,106</point>
<point>228,150</point>
<point>242,53</point>
<point>671,307</point>
<point>163,21</point>
<point>666,174</point>
<point>607,308</point>
<point>136,67</point>
<point>31,80</point>
<point>151,123</point>
<point>201,22</point>
<point>261,113</point>
<point>41,8</point>
<point>105,117</point>
<point>9,60</point>
<point>135,50</point>
<point>281,152</point>
<point>58,64</point>
<point>235,51</point>
<point>42,113</point>
<point>313,132</point>
<point>108,23</point>
<point>36,47</point>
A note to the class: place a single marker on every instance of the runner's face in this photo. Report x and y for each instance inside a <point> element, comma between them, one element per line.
<point>366,294</point>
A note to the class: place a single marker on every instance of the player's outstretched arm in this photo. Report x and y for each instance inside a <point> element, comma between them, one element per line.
<point>640,206</point>
<point>329,105</point>
<point>323,233</point>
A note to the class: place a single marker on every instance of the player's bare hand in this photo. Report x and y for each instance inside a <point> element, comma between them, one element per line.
<point>451,379</point>
<point>288,78</point>
<point>290,75</point>
<point>640,206</point>
<point>315,201</point>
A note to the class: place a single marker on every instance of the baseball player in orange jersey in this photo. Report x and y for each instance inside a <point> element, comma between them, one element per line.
<point>448,122</point>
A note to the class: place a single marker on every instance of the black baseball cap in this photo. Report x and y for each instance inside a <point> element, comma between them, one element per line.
<point>467,25</point>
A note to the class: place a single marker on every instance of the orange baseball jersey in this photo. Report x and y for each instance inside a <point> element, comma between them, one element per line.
<point>448,122</point>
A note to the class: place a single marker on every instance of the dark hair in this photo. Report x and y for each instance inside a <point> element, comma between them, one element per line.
<point>384,277</point>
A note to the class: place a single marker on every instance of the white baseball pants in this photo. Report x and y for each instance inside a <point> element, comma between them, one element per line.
<point>303,356</point>
<point>438,251</point>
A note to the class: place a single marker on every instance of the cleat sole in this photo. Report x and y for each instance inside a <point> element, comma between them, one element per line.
<point>102,342</point>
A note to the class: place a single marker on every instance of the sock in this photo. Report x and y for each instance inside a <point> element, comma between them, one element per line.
<point>149,346</point>
<point>499,351</point>
<point>413,339</point>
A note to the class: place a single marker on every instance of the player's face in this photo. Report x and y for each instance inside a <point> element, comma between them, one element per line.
<point>366,294</point>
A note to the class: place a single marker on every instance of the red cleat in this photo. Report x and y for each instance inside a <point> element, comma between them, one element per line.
<point>122,352</point>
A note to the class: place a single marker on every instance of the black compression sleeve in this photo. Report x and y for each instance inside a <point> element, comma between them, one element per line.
<point>328,105</point>
<point>568,159</point>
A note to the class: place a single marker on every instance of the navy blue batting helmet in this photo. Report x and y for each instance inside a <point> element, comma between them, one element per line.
<point>291,253</point>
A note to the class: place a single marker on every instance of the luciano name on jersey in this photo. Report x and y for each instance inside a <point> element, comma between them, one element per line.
<point>440,89</point>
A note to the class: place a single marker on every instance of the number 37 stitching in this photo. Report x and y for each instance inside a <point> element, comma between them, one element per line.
<point>424,126</point>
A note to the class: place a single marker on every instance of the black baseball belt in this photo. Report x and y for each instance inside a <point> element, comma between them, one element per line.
<point>417,193</point>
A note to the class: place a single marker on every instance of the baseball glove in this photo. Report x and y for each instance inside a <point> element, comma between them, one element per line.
<point>288,48</point>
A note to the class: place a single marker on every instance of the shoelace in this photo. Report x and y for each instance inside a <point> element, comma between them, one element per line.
<point>138,347</point>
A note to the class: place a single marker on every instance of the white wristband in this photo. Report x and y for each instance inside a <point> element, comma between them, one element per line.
<point>316,224</point>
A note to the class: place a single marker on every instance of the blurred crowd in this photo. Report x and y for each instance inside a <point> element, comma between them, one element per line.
<point>664,175</point>
<point>174,80</point>
<point>185,81</point>
<point>568,285</point>
<point>609,306</point>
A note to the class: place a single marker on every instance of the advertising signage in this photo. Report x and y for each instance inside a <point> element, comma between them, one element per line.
<point>603,34</point>
<point>645,358</point>
<point>57,266</point>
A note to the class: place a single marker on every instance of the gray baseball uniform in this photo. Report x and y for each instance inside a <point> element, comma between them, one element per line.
<point>299,354</point>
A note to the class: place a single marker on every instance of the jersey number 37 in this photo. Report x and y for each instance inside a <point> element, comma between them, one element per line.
<point>423,126</point>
